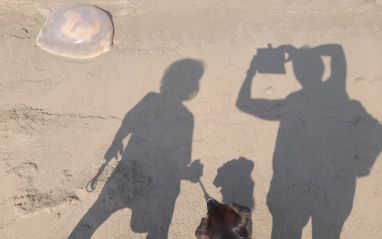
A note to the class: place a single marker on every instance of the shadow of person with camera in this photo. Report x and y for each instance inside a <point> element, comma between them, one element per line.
<point>325,141</point>
<point>156,159</point>
<point>235,182</point>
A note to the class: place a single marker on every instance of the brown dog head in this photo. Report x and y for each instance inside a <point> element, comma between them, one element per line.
<point>225,221</point>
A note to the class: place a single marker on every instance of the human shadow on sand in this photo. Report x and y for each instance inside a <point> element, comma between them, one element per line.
<point>156,159</point>
<point>325,142</point>
<point>235,182</point>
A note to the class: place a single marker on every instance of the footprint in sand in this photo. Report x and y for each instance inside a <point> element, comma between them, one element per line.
<point>26,169</point>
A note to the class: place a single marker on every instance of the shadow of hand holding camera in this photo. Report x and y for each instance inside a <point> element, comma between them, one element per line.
<point>271,60</point>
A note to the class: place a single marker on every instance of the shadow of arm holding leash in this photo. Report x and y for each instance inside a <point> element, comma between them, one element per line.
<point>116,149</point>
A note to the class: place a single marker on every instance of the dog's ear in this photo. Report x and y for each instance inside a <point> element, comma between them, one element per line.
<point>202,230</point>
<point>244,227</point>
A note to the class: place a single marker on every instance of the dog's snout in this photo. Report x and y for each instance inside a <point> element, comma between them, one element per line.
<point>211,203</point>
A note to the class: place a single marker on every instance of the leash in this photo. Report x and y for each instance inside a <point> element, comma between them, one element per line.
<point>206,195</point>
<point>92,184</point>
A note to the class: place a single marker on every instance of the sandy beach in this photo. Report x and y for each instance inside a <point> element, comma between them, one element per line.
<point>306,157</point>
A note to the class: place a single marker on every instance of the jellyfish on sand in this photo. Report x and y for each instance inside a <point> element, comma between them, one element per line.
<point>76,31</point>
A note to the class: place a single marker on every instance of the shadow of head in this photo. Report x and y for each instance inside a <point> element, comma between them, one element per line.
<point>308,67</point>
<point>235,181</point>
<point>234,168</point>
<point>181,79</point>
<point>225,221</point>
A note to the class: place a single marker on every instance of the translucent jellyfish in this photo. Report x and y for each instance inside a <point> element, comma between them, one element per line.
<point>76,31</point>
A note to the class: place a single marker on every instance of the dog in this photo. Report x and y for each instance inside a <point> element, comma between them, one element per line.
<point>225,221</point>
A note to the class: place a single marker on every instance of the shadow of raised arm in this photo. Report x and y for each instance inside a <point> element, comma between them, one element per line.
<point>337,62</point>
<point>262,108</point>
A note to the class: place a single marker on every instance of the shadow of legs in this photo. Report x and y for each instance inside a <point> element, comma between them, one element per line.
<point>93,218</point>
<point>288,227</point>
<point>153,216</point>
